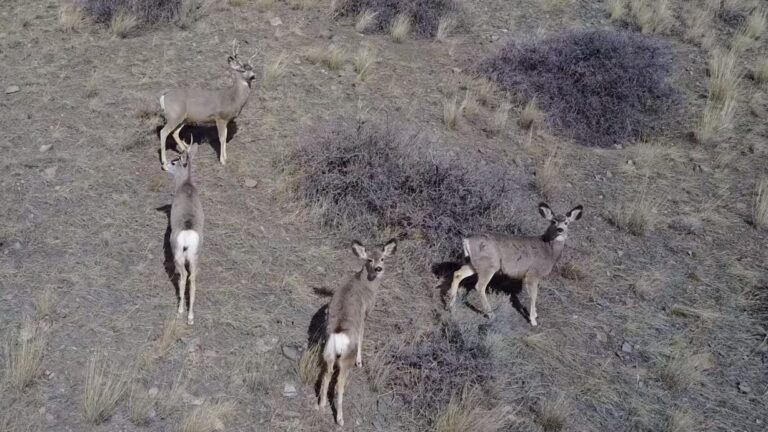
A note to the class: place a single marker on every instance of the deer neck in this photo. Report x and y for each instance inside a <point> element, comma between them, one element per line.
<point>240,90</point>
<point>555,248</point>
<point>184,176</point>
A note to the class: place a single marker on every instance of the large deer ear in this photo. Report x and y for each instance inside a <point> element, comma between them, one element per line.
<point>359,250</point>
<point>574,214</point>
<point>545,211</point>
<point>390,247</point>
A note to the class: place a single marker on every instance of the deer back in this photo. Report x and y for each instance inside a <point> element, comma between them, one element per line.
<point>350,304</point>
<point>514,256</point>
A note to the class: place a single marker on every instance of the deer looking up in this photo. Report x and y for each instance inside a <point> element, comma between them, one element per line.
<point>189,105</point>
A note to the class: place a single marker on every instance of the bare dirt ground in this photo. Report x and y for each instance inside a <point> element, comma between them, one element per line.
<point>641,333</point>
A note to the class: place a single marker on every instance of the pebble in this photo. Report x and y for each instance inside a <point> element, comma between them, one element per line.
<point>275,21</point>
<point>250,183</point>
<point>12,89</point>
<point>290,352</point>
<point>153,392</point>
<point>289,390</point>
<point>265,344</point>
<point>193,345</point>
<point>744,388</point>
<point>626,347</point>
<point>45,147</point>
<point>50,171</point>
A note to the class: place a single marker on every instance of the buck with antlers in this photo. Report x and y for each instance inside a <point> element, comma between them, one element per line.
<point>185,106</point>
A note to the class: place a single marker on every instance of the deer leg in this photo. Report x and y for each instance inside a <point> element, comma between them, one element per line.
<point>179,142</point>
<point>221,125</point>
<point>192,286</point>
<point>359,357</point>
<point>169,127</point>
<point>341,382</point>
<point>179,260</point>
<point>482,283</point>
<point>532,287</point>
<point>327,374</point>
<point>464,272</point>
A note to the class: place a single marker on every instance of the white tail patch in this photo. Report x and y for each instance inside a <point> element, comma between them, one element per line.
<point>337,345</point>
<point>162,102</point>
<point>187,242</point>
<point>465,245</point>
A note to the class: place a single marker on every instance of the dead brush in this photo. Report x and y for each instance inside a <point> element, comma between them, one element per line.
<point>104,388</point>
<point>698,22</point>
<point>379,370</point>
<point>332,56</point>
<point>364,60</point>
<point>45,303</point>
<point>172,332</point>
<point>680,370</point>
<point>208,417</point>
<point>310,364</point>
<point>23,356</point>
<point>400,28</point>
<point>122,24</point>
<point>756,23</point>
<point>760,72</point>
<point>616,9</point>
<point>715,119</point>
<point>139,405</point>
<point>652,16</point>
<point>274,69</point>
<point>548,175</point>
<point>500,117</point>
<point>264,5</point>
<point>648,285</point>
<point>530,115</point>
<point>71,17</point>
<point>679,420</point>
<point>451,112</point>
<point>445,27</point>
<point>465,412</point>
<point>760,205</point>
<point>365,20</point>
<point>723,76</point>
<point>638,216</point>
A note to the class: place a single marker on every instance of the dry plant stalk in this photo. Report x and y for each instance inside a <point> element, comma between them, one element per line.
<point>71,17</point>
<point>310,364</point>
<point>530,116</point>
<point>548,175</point>
<point>760,205</point>
<point>616,9</point>
<point>554,413</point>
<point>208,417</point>
<point>365,19</point>
<point>274,69</point>
<point>23,356</point>
<point>444,28</point>
<point>103,390</point>
<point>363,61</point>
<point>465,413</point>
<point>401,26</point>
<point>123,22</point>
<point>451,112</point>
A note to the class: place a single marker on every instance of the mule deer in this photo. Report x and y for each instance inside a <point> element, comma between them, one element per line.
<point>527,258</point>
<point>346,321</point>
<point>186,227</point>
<point>183,106</point>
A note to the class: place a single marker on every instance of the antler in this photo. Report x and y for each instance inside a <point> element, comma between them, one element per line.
<point>255,53</point>
<point>235,47</point>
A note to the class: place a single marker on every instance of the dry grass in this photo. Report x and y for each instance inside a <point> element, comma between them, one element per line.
<point>679,370</point>
<point>500,117</point>
<point>71,17</point>
<point>465,413</point>
<point>530,116</point>
<point>23,356</point>
<point>760,205</point>
<point>304,4</point>
<point>548,175</point>
<point>191,11</point>
<point>364,60</point>
<point>756,22</point>
<point>378,370</point>
<point>760,72</point>
<point>638,216</point>
<point>264,5</point>
<point>648,285</point>
<point>470,105</point>
<point>332,56</point>
<point>698,22</point>
<point>680,421</point>
<point>365,20</point>
<point>122,24</point>
<point>652,16</point>
<point>139,406</point>
<point>715,119</point>
<point>401,27</point>
<point>173,329</point>
<point>616,9</point>
<point>310,364</point>
<point>104,388</point>
<point>723,76</point>
<point>444,28</point>
<point>208,417</point>
<point>552,414</point>
<point>274,69</point>
<point>237,3</point>
<point>44,304</point>
<point>451,112</point>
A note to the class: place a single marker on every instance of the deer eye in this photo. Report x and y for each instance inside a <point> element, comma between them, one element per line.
<point>370,260</point>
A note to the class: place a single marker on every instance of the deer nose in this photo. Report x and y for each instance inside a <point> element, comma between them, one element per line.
<point>378,269</point>
<point>560,230</point>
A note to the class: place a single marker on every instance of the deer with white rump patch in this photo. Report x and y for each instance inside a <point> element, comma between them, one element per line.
<point>186,227</point>
<point>183,106</point>
<point>527,258</point>
<point>346,321</point>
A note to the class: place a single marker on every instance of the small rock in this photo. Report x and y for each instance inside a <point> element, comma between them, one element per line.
<point>210,354</point>
<point>608,174</point>
<point>601,336</point>
<point>290,414</point>
<point>275,21</point>
<point>218,425</point>
<point>744,388</point>
<point>153,392</point>
<point>289,390</point>
<point>41,410</point>
<point>49,418</point>
<point>456,70</point>
<point>17,245</point>
<point>626,347</point>
<point>50,171</point>
<point>45,147</point>
<point>152,414</point>
<point>191,399</point>
<point>250,183</point>
<point>291,353</point>
<point>265,344</point>
<point>12,89</point>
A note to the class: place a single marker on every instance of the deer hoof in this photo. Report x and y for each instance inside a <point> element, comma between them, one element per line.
<point>490,316</point>
<point>533,322</point>
<point>340,420</point>
<point>359,363</point>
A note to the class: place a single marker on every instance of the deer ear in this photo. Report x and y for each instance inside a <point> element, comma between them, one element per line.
<point>359,250</point>
<point>390,247</point>
<point>574,214</point>
<point>545,211</point>
<point>192,151</point>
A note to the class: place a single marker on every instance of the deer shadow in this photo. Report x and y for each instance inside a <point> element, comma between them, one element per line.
<point>500,283</point>
<point>316,335</point>
<point>199,133</point>
<point>168,264</point>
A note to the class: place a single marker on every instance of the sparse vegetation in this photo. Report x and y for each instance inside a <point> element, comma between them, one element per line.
<point>723,76</point>
<point>208,417</point>
<point>139,406</point>
<point>756,23</point>
<point>680,421</point>
<point>172,331</point>
<point>124,16</point>
<point>639,215</point>
<point>45,303</point>
<point>760,72</point>
<point>616,9</point>
<point>548,175</point>
<point>652,16</point>
<point>366,177</point>
<point>500,117</point>
<point>71,17</point>
<point>122,24</point>
<point>103,389</point>
<point>648,285</point>
<point>23,356</point>
<point>364,59</point>
<point>332,56</point>
<point>582,80</point>
<point>264,5</point>
<point>444,28</point>
<point>310,364</point>
<point>760,205</point>
<point>401,26</point>
<point>465,412</point>
<point>274,69</point>
<point>423,16</point>
<point>553,414</point>
<point>679,370</point>
<point>530,115</point>
<point>451,112</point>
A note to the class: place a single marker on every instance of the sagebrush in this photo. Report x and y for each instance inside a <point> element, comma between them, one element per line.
<point>600,87</point>
<point>362,178</point>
